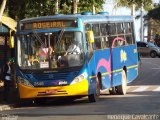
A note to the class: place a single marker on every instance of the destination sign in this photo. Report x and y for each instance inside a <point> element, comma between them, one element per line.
<point>49,24</point>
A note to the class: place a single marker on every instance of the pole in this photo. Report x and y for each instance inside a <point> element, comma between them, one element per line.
<point>75,2</point>
<point>133,10</point>
<point>94,11</point>
<point>56,7</point>
<point>142,39</point>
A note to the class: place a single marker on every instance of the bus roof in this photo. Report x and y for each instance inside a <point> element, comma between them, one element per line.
<point>84,18</point>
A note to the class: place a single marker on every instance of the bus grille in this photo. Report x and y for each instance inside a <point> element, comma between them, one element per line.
<point>55,76</point>
<point>56,93</point>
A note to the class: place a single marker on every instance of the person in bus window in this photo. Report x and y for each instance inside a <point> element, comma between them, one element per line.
<point>43,53</point>
<point>73,48</point>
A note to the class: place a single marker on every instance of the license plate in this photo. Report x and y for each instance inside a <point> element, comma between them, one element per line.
<point>50,91</point>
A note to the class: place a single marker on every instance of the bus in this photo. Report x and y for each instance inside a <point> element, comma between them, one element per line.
<point>107,56</point>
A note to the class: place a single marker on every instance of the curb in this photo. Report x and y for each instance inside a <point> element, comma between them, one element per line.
<point>6,107</point>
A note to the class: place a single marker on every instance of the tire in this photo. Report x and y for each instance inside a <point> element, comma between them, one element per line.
<point>122,89</point>
<point>112,91</point>
<point>153,54</point>
<point>95,97</point>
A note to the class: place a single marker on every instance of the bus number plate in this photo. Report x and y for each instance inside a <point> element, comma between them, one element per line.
<point>51,91</point>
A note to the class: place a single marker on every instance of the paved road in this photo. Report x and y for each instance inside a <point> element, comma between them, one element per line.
<point>141,102</point>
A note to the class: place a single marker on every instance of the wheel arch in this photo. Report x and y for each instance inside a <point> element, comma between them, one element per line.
<point>153,51</point>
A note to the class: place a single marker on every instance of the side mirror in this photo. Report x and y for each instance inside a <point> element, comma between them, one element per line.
<point>147,46</point>
<point>90,36</point>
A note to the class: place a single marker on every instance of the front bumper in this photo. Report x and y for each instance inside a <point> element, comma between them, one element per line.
<point>80,88</point>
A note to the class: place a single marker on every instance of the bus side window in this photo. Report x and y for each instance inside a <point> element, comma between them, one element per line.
<point>112,29</point>
<point>97,43</point>
<point>128,33</point>
<point>120,29</point>
<point>104,42</point>
<point>90,48</point>
<point>111,33</point>
<point>104,35</point>
<point>103,28</point>
<point>96,30</point>
<point>88,27</point>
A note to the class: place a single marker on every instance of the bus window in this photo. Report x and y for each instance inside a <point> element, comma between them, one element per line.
<point>127,28</point>
<point>112,29</point>
<point>111,33</point>
<point>128,33</point>
<point>103,28</point>
<point>120,29</point>
<point>129,39</point>
<point>89,47</point>
<point>104,42</point>
<point>95,28</point>
<point>87,27</point>
<point>43,50</point>
<point>97,43</point>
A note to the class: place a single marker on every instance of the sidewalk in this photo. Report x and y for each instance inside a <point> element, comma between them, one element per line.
<point>12,99</point>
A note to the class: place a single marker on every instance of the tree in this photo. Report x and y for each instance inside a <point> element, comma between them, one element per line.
<point>16,9</point>
<point>153,19</point>
<point>19,9</point>
<point>83,6</point>
<point>147,4</point>
<point>154,13</point>
<point>89,5</point>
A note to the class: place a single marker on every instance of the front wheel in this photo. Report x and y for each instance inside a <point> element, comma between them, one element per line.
<point>95,97</point>
<point>122,89</point>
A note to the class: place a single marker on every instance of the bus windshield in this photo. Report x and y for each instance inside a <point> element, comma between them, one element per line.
<point>50,50</point>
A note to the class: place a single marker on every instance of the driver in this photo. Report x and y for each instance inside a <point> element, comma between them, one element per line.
<point>73,48</point>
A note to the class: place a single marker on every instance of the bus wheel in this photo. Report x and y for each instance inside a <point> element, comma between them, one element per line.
<point>112,91</point>
<point>122,89</point>
<point>95,97</point>
<point>40,101</point>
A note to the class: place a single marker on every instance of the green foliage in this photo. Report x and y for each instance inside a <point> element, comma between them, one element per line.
<point>66,9</point>
<point>19,9</point>
<point>86,5</point>
<point>138,3</point>
<point>154,13</point>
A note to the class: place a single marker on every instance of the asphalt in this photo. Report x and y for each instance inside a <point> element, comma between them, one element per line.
<point>12,100</point>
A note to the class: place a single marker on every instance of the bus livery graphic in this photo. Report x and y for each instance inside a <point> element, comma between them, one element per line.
<point>75,56</point>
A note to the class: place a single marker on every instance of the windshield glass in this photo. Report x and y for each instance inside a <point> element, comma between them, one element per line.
<point>151,44</point>
<point>50,50</point>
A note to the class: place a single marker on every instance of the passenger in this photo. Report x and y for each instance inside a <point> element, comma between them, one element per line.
<point>7,80</point>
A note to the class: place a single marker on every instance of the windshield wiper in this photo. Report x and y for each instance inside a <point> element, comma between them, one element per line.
<point>60,36</point>
<point>38,38</point>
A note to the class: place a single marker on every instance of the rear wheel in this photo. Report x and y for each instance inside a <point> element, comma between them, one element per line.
<point>95,97</point>
<point>153,54</point>
<point>122,89</point>
<point>112,91</point>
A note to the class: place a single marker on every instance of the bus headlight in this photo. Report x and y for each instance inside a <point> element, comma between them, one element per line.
<point>24,82</point>
<point>79,78</point>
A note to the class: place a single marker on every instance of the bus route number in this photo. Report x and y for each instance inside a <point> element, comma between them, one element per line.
<point>38,83</point>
